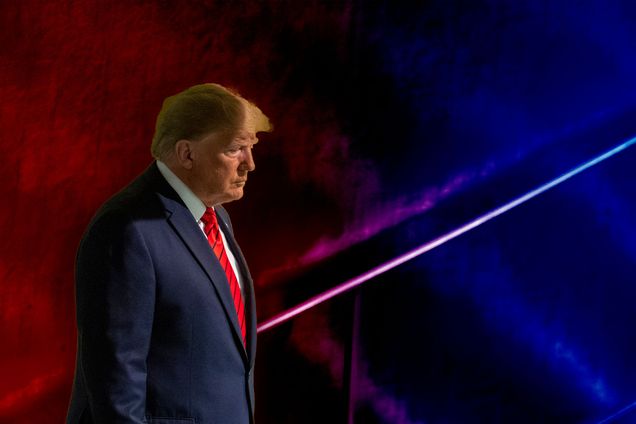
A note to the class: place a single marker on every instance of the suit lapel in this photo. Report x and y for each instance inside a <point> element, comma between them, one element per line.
<point>190,233</point>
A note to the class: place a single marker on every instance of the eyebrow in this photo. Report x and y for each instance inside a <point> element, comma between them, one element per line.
<point>244,139</point>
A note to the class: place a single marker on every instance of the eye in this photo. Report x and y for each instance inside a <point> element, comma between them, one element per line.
<point>233,151</point>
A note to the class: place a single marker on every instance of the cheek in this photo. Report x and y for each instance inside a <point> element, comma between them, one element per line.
<point>222,177</point>
<point>220,174</point>
<point>229,171</point>
<point>215,172</point>
<point>216,178</point>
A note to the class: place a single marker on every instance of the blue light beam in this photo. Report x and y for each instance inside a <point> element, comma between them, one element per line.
<point>618,414</point>
<point>387,266</point>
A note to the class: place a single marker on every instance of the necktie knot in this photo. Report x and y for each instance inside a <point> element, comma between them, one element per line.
<point>210,223</point>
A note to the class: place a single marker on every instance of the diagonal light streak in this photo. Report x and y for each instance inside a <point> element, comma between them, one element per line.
<point>618,414</point>
<point>387,266</point>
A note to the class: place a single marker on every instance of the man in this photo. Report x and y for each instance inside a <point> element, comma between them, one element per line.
<point>165,303</point>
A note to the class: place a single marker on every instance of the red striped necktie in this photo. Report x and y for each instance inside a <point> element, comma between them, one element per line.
<point>213,232</point>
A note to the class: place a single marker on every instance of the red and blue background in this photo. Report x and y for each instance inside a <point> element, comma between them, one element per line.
<point>394,123</point>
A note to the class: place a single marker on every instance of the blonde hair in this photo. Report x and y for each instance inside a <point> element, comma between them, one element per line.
<point>200,110</point>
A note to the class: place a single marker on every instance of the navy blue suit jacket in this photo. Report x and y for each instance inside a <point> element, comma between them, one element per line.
<point>158,336</point>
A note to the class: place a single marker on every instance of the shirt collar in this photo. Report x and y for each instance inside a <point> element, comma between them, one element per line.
<point>192,202</point>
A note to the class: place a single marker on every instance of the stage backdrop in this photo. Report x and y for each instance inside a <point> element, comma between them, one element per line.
<point>393,124</point>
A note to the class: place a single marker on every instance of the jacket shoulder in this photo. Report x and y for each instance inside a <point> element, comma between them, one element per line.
<point>138,200</point>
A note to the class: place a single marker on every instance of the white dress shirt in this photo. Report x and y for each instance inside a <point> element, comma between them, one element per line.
<point>197,209</point>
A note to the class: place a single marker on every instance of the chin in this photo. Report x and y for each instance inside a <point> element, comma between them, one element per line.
<point>234,195</point>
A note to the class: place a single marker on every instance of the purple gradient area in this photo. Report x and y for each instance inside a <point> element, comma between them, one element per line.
<point>312,337</point>
<point>388,407</point>
<point>387,215</point>
<point>367,223</point>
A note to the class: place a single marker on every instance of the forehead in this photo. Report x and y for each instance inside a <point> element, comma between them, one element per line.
<point>222,139</point>
<point>244,136</point>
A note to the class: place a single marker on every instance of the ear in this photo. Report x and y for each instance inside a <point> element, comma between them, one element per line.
<point>183,150</point>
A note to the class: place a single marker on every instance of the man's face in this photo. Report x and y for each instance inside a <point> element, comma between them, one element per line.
<point>220,164</point>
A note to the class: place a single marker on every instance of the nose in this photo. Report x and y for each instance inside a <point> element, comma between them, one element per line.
<point>248,160</point>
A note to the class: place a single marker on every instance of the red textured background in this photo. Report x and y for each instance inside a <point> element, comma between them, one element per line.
<point>81,84</point>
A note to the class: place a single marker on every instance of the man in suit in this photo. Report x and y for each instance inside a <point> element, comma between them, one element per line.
<point>165,302</point>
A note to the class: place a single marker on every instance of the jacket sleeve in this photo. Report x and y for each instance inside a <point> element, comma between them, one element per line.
<point>115,296</point>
